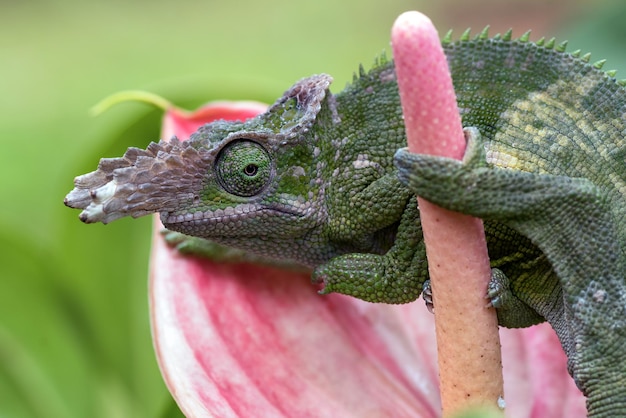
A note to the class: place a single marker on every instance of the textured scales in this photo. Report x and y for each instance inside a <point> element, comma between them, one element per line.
<point>319,181</point>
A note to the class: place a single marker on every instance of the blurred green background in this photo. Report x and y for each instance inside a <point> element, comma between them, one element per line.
<point>74,327</point>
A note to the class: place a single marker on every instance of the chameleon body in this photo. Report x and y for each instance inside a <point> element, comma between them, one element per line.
<point>320,180</point>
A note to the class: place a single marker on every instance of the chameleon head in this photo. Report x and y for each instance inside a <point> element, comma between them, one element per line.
<point>229,179</point>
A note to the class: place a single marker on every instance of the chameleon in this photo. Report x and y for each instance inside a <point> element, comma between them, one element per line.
<point>324,181</point>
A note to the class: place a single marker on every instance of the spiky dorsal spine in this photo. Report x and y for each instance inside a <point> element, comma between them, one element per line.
<point>483,35</point>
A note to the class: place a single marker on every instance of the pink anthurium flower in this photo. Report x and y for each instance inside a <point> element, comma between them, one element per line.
<point>237,340</point>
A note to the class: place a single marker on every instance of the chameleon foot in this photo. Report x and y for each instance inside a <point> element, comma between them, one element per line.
<point>498,291</point>
<point>373,278</point>
<point>427,295</point>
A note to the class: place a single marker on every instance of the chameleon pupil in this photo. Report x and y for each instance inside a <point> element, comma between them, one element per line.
<point>251,170</point>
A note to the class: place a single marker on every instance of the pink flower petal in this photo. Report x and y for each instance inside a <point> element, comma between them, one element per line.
<point>536,381</point>
<point>243,340</point>
<point>182,123</point>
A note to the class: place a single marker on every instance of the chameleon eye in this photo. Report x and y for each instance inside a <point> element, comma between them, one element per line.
<point>243,168</point>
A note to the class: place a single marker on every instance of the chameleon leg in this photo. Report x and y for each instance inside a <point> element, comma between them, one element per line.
<point>200,247</point>
<point>570,221</point>
<point>370,203</point>
<point>395,277</point>
<point>186,244</point>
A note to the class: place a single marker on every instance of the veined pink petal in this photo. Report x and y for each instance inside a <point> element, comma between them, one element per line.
<point>243,340</point>
<point>536,382</point>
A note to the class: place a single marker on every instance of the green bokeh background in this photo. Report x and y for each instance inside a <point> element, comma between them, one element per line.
<point>74,327</point>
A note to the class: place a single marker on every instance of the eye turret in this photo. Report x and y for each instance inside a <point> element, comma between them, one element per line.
<point>243,168</point>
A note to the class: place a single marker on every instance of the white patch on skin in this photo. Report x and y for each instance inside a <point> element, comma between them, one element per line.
<point>297,171</point>
<point>501,159</point>
<point>599,296</point>
<point>387,75</point>
<point>362,161</point>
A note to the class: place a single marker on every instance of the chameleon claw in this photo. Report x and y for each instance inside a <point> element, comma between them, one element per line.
<point>320,279</point>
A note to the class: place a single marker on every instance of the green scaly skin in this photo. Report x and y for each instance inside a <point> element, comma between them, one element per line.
<point>321,181</point>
